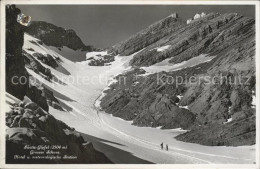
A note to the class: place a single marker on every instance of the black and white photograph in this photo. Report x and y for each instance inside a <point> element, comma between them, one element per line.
<point>131,84</point>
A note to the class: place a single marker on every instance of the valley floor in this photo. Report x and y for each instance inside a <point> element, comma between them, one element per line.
<point>120,141</point>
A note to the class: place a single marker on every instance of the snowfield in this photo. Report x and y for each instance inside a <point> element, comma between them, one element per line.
<point>166,66</point>
<point>81,101</point>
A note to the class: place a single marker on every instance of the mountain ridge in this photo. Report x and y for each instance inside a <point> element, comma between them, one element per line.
<point>56,36</point>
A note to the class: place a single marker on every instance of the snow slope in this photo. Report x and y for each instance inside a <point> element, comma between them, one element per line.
<point>85,85</point>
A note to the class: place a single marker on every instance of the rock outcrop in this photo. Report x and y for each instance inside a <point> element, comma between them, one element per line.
<point>32,63</point>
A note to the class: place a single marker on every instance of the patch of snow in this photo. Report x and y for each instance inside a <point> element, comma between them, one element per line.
<point>228,120</point>
<point>178,129</point>
<point>196,16</point>
<point>128,121</point>
<point>98,101</point>
<point>184,107</point>
<point>166,66</point>
<point>145,74</point>
<point>203,14</point>
<point>162,48</point>
<point>229,109</point>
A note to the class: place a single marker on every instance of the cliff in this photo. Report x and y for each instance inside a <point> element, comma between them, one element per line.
<point>220,97</point>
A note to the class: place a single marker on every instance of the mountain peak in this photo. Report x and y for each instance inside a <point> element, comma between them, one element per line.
<point>53,35</point>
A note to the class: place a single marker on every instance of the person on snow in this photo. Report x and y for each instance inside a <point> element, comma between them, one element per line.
<point>167,148</point>
<point>162,145</point>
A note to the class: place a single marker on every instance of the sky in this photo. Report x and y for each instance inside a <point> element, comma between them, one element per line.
<point>105,25</point>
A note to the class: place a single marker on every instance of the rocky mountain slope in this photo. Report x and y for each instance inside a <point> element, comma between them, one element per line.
<point>53,35</point>
<point>210,34</point>
<point>29,125</point>
<point>215,99</point>
<point>29,121</point>
<point>149,35</point>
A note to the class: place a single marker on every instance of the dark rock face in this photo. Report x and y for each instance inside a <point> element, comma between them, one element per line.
<point>140,99</point>
<point>56,36</point>
<point>31,125</point>
<point>36,95</point>
<point>217,106</point>
<point>15,69</point>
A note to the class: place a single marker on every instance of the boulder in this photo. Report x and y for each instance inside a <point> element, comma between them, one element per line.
<point>31,106</point>
<point>24,122</point>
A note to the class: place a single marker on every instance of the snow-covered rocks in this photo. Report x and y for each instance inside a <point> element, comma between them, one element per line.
<point>203,14</point>
<point>189,20</point>
<point>99,58</point>
<point>196,17</point>
<point>228,120</point>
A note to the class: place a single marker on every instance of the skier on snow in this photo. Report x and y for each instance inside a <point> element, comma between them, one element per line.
<point>162,145</point>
